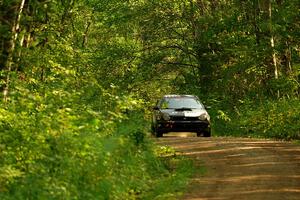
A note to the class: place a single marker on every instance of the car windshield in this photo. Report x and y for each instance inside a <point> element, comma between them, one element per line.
<point>177,103</point>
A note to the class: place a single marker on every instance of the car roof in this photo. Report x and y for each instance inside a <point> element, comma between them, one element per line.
<point>180,96</point>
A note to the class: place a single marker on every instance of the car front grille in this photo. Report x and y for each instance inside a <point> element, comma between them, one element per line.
<point>182,118</point>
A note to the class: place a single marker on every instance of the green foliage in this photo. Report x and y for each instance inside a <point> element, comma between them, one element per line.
<point>50,151</point>
<point>82,76</point>
<point>266,119</point>
<point>271,119</point>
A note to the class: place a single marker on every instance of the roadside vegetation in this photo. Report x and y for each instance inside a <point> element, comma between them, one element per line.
<point>56,147</point>
<point>78,80</point>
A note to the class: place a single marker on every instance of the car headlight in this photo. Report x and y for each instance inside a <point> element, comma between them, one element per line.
<point>204,117</point>
<point>166,117</point>
<point>158,117</point>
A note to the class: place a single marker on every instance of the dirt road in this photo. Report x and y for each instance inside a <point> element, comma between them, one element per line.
<point>240,168</point>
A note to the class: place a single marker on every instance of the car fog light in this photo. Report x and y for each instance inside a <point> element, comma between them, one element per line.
<point>204,117</point>
<point>166,117</point>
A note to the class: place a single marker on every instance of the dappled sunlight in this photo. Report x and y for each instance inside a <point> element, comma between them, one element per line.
<point>180,134</point>
<point>234,155</point>
<point>247,178</point>
<point>293,190</point>
<point>263,164</point>
<point>221,150</point>
<point>240,168</point>
<point>197,198</point>
<point>295,151</point>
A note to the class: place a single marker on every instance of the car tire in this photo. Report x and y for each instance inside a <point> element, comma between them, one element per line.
<point>152,130</point>
<point>158,134</point>
<point>155,132</point>
<point>206,134</point>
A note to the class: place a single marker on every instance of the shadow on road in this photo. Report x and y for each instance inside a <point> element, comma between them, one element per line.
<point>240,168</point>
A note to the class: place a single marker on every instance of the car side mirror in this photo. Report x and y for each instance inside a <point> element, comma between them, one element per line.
<point>155,108</point>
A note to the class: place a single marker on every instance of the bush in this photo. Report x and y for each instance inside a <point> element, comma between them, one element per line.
<point>272,119</point>
<point>61,148</point>
<point>277,119</point>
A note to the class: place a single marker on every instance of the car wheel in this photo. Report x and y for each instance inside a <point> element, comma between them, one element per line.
<point>152,130</point>
<point>158,134</point>
<point>155,132</point>
<point>206,133</point>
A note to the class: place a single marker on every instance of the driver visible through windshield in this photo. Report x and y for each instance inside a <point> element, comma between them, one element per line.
<point>177,103</point>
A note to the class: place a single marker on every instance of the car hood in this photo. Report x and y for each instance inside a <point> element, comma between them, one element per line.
<point>184,112</point>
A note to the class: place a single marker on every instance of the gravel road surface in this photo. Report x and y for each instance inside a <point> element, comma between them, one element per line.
<point>239,168</point>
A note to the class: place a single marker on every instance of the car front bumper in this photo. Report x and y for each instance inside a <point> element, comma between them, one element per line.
<point>181,126</point>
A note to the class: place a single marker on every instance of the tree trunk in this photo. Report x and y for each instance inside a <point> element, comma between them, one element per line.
<point>256,21</point>
<point>15,28</point>
<point>288,59</point>
<point>272,42</point>
<point>85,34</point>
<point>266,8</point>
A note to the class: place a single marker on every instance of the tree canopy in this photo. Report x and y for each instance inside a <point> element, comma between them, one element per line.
<point>78,78</point>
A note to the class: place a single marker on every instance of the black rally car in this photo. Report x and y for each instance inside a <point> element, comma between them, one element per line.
<point>179,113</point>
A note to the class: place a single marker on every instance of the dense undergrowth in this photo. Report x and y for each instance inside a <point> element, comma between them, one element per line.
<point>278,119</point>
<point>77,79</point>
<point>54,146</point>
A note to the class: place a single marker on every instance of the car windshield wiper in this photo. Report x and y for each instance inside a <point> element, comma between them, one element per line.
<point>183,109</point>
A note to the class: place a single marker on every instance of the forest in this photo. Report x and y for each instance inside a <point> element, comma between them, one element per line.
<point>78,80</point>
